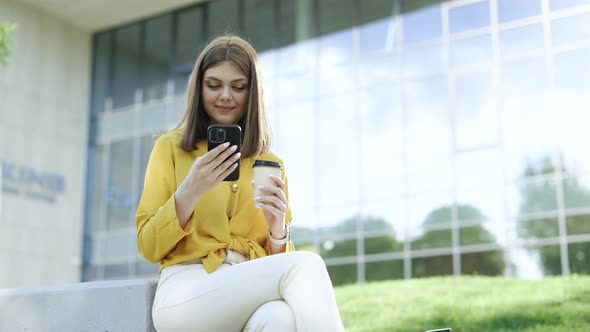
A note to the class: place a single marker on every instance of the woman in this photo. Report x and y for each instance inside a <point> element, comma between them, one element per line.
<point>226,259</point>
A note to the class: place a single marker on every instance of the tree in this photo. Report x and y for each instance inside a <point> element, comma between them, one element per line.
<point>5,30</point>
<point>484,263</point>
<point>540,196</point>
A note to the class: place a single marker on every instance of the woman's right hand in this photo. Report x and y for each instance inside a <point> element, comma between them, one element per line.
<point>205,173</point>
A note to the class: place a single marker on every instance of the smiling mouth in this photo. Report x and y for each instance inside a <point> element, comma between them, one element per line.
<point>225,108</point>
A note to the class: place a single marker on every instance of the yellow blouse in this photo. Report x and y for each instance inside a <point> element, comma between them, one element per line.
<point>224,218</point>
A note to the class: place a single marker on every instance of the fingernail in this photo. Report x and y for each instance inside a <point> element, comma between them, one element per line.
<point>257,198</point>
<point>226,144</point>
<point>233,148</point>
<point>238,155</point>
<point>260,187</point>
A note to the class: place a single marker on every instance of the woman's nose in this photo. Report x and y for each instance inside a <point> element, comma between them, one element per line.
<point>225,95</point>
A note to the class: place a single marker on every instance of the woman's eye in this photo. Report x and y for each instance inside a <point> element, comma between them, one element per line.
<point>239,87</point>
<point>211,86</point>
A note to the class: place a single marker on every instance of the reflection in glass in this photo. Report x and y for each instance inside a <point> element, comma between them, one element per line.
<point>379,36</point>
<point>381,139</point>
<point>120,202</point>
<point>471,51</point>
<point>297,58</point>
<point>95,188</point>
<point>116,271</point>
<point>538,228</point>
<point>537,196</point>
<point>422,24</point>
<point>386,270</point>
<point>344,248</point>
<point>226,19</point>
<point>579,257</point>
<point>156,58</point>
<point>469,167</point>
<point>438,238</point>
<point>572,74</point>
<point>382,244</point>
<point>548,258</point>
<point>429,168</point>
<point>469,17</point>
<point>477,234</point>
<point>562,4</point>
<point>102,64</point>
<point>576,194</point>
<point>342,274</point>
<point>336,79</point>
<point>116,245</point>
<point>147,269</point>
<point>480,205</point>
<point>483,263</point>
<point>299,157</point>
<point>571,29</point>
<point>190,35</point>
<point>296,88</point>
<point>379,70</point>
<point>432,266</point>
<point>578,224</point>
<point>336,116</point>
<point>424,61</point>
<point>522,40</point>
<point>335,21</point>
<point>509,10</point>
<point>146,145</point>
<point>384,216</point>
<point>476,118</point>
<point>127,66</point>
<point>259,23</point>
<point>338,222</point>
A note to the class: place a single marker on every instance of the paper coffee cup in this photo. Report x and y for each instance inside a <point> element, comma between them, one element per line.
<point>263,169</point>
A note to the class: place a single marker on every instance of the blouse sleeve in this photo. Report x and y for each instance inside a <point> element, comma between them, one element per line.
<point>158,228</point>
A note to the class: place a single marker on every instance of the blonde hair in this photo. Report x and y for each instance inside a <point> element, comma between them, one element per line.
<point>256,129</point>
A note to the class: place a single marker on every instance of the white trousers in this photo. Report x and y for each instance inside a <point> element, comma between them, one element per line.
<point>283,292</point>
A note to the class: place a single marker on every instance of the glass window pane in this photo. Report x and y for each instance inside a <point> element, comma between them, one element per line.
<point>476,118</point>
<point>335,15</point>
<point>337,79</point>
<point>298,155</point>
<point>384,270</point>
<point>147,144</point>
<point>579,257</point>
<point>96,174</point>
<point>120,201</point>
<point>438,238</point>
<point>378,70</point>
<point>424,61</point>
<point>562,4</point>
<point>578,224</point>
<point>477,234</point>
<point>421,24</point>
<point>427,126</point>
<point>336,47</point>
<point>342,274</point>
<point>469,17</point>
<point>127,70</point>
<point>338,248</point>
<point>190,36</point>
<point>384,216</point>
<point>223,18</point>
<point>470,166</point>
<point>432,266</point>
<point>548,258</point>
<point>572,71</point>
<point>471,51</point>
<point>576,192</point>
<point>523,40</point>
<point>538,228</point>
<point>336,116</point>
<point>378,30</point>
<point>157,56</point>
<point>338,222</point>
<point>116,271</point>
<point>296,88</point>
<point>571,29</point>
<point>146,269</point>
<point>297,58</point>
<point>482,204</point>
<point>536,196</point>
<point>296,21</point>
<point>483,263</point>
<point>509,10</point>
<point>102,69</point>
<point>259,23</point>
<point>381,135</point>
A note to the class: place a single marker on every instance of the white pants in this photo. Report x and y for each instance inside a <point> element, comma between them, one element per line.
<point>284,292</point>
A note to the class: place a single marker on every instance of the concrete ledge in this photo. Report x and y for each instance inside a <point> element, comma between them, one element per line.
<point>90,306</point>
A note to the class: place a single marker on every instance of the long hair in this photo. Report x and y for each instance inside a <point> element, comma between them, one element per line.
<point>256,129</point>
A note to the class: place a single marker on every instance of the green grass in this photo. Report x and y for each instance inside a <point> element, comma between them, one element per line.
<point>475,304</point>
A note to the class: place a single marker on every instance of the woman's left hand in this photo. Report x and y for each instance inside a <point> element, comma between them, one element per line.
<point>274,204</point>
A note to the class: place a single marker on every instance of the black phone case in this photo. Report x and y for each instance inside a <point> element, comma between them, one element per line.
<point>234,137</point>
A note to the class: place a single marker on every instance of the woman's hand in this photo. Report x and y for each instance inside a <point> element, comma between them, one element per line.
<point>274,204</point>
<point>205,173</point>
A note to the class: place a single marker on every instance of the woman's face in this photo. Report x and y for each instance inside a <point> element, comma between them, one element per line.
<point>225,93</point>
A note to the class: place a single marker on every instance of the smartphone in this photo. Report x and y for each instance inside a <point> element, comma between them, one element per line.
<point>219,134</point>
<point>448,329</point>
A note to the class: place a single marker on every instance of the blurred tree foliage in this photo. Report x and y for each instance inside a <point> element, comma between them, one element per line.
<point>5,31</point>
<point>540,196</point>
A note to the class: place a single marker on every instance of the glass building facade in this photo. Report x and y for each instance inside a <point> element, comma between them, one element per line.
<point>421,137</point>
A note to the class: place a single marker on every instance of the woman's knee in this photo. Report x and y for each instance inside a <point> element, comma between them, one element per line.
<point>271,316</point>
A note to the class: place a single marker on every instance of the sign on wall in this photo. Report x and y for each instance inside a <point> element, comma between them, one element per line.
<point>32,183</point>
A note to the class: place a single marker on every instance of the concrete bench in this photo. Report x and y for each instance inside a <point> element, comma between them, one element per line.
<point>100,306</point>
